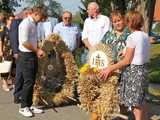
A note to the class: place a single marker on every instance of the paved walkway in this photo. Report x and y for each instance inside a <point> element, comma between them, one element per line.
<point>9,111</point>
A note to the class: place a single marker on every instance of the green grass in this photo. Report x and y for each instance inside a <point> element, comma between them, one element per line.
<point>154,64</point>
<point>154,91</point>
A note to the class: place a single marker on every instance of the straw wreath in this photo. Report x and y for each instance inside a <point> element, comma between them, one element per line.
<point>57,74</point>
<point>98,96</point>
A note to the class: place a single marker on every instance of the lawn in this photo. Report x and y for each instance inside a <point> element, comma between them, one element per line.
<point>154,64</point>
<point>154,71</point>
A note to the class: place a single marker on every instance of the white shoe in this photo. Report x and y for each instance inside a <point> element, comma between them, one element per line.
<point>36,110</point>
<point>13,86</point>
<point>5,88</point>
<point>25,112</point>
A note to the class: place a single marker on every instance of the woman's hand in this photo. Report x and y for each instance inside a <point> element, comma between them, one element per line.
<point>105,73</point>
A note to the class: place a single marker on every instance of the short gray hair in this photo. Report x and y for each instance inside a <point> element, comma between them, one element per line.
<point>66,11</point>
<point>94,4</point>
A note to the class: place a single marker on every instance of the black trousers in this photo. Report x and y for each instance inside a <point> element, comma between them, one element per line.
<point>18,81</point>
<point>28,64</point>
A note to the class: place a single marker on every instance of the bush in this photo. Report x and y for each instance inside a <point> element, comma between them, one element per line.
<point>154,64</point>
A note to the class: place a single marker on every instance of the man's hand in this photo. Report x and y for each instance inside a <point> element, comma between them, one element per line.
<point>15,56</point>
<point>40,53</point>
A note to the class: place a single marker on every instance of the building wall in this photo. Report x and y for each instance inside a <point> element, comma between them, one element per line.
<point>157,11</point>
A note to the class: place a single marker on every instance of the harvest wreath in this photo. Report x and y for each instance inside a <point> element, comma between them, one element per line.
<point>99,97</point>
<point>57,73</point>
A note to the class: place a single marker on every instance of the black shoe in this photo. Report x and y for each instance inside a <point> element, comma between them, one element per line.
<point>17,100</point>
<point>131,115</point>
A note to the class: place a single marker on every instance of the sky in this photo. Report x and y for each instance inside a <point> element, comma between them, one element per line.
<point>71,5</point>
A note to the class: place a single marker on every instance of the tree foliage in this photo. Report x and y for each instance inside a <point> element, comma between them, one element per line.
<point>53,8</point>
<point>76,18</point>
<point>146,8</point>
<point>8,6</point>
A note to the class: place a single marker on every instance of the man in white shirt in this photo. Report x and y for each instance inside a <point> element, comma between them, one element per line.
<point>46,27</point>
<point>95,26</point>
<point>28,59</point>
<point>69,32</point>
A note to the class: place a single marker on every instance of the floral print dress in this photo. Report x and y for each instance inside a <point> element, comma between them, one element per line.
<point>133,85</point>
<point>117,43</point>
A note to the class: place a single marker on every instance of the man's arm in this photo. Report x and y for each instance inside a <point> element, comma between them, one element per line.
<point>107,25</point>
<point>14,36</point>
<point>78,38</point>
<point>56,29</point>
<point>2,34</point>
<point>30,47</point>
<point>78,42</point>
<point>24,32</point>
<point>86,43</point>
<point>1,48</point>
<point>85,36</point>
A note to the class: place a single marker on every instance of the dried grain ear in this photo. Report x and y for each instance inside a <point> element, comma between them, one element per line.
<point>97,96</point>
<point>60,72</point>
<point>103,48</point>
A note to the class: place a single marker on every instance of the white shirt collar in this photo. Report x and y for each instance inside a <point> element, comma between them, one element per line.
<point>66,25</point>
<point>31,19</point>
<point>98,16</point>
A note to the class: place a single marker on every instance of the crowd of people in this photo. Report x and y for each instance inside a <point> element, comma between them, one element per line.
<point>123,33</point>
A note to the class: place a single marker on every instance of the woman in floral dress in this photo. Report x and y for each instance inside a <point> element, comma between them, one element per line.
<point>116,38</point>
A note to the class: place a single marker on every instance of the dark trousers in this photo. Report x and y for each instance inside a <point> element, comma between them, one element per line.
<point>28,64</point>
<point>18,81</point>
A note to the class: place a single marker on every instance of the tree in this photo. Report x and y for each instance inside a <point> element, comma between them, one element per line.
<point>146,8</point>
<point>8,6</point>
<point>54,8</point>
<point>76,18</point>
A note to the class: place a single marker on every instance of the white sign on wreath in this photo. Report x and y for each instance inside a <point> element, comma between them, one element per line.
<point>99,60</point>
<point>100,56</point>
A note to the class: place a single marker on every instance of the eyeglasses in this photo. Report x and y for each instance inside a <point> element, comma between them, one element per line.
<point>67,18</point>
